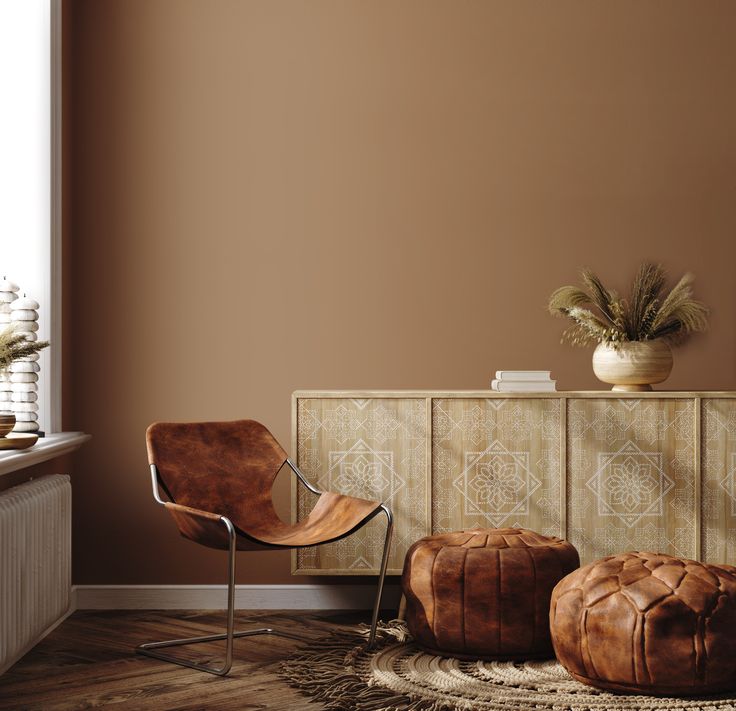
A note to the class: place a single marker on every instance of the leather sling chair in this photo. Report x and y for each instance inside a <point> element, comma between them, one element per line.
<point>218,477</point>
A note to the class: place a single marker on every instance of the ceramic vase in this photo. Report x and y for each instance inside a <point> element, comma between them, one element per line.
<point>634,365</point>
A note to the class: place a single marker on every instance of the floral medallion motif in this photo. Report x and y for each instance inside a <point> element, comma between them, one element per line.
<point>630,484</point>
<point>496,484</point>
<point>364,472</point>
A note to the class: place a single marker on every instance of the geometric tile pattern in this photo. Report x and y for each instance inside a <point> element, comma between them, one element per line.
<point>496,484</point>
<point>728,483</point>
<point>718,448</point>
<point>373,448</point>
<point>631,476</point>
<point>365,472</point>
<point>630,484</point>
<point>496,463</point>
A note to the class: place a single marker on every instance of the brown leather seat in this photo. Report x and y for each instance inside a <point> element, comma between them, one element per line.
<point>228,469</point>
<point>219,479</point>
<point>484,593</point>
<point>648,623</point>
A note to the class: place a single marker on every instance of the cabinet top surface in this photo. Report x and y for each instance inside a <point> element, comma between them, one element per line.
<point>492,394</point>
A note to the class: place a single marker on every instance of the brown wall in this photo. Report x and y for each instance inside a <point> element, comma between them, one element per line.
<point>273,195</point>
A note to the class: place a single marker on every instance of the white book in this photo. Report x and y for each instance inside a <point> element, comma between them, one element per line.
<point>523,374</point>
<point>524,386</point>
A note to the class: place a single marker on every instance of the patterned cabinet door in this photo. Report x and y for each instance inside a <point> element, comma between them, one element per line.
<point>373,449</point>
<point>496,464</point>
<point>631,476</point>
<point>718,437</point>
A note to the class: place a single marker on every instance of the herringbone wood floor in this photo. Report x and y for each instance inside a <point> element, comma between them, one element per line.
<point>88,662</point>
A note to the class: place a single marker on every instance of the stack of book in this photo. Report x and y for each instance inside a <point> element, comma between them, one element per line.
<point>523,381</point>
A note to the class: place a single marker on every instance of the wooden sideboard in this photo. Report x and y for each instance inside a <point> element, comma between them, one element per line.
<point>610,472</point>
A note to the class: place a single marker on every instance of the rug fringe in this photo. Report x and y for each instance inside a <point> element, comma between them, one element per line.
<point>324,671</point>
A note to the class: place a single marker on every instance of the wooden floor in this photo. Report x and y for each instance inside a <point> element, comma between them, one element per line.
<point>88,662</point>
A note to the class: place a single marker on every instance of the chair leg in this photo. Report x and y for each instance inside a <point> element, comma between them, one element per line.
<point>381,575</point>
<point>150,649</point>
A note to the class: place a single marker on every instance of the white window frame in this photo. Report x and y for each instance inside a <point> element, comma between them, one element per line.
<point>54,381</point>
<point>43,280</point>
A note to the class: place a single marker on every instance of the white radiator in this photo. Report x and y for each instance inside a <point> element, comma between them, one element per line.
<point>35,562</point>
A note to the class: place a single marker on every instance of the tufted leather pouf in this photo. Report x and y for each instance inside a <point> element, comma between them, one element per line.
<point>648,623</point>
<point>484,594</point>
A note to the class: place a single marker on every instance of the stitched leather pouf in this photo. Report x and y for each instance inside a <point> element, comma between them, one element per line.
<point>648,623</point>
<point>484,593</point>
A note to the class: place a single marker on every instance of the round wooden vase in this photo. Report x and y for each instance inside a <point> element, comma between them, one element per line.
<point>634,366</point>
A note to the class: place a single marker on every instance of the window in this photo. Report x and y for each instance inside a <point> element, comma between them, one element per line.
<point>30,186</point>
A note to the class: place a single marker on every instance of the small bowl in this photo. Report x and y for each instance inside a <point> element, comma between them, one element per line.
<point>7,422</point>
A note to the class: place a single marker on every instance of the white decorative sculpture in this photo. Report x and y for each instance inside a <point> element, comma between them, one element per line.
<point>8,294</point>
<point>23,374</point>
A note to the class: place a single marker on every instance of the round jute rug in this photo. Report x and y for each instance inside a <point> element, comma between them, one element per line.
<point>340,673</point>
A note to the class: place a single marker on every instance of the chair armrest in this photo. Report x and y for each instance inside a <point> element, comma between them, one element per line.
<point>195,513</point>
<point>302,479</point>
<point>205,527</point>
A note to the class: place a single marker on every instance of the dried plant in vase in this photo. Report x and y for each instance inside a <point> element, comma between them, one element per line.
<point>14,348</point>
<point>633,334</point>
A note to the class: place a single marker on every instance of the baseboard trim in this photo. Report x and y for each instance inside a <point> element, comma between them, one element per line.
<point>247,597</point>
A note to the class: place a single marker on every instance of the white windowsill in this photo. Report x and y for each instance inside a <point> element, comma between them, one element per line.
<point>49,447</point>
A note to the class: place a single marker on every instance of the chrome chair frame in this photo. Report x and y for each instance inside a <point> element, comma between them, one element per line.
<point>150,649</point>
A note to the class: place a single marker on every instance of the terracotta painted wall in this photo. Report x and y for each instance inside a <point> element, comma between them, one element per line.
<point>264,196</point>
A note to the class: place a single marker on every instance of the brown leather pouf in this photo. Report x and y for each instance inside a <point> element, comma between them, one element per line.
<point>484,594</point>
<point>648,623</point>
